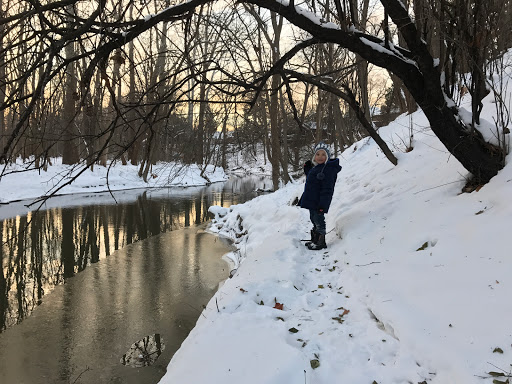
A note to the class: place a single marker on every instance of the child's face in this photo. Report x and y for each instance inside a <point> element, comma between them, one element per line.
<point>320,157</point>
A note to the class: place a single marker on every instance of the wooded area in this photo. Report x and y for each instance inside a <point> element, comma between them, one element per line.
<point>147,81</point>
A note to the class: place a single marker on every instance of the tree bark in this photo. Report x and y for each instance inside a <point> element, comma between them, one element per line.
<point>134,149</point>
<point>274,132</point>
<point>362,64</point>
<point>70,153</point>
<point>284,144</point>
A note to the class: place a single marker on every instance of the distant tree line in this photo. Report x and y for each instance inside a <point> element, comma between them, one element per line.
<point>144,81</point>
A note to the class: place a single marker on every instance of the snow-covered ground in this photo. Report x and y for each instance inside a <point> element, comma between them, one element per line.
<point>18,183</point>
<point>415,286</point>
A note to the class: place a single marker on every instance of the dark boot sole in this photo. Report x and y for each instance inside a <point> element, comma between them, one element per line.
<point>316,248</point>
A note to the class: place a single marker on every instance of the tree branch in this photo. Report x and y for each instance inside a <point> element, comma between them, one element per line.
<point>349,97</point>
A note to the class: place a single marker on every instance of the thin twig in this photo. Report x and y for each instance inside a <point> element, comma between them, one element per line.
<point>81,373</point>
<point>442,185</point>
<point>364,265</point>
<point>501,369</point>
<point>201,312</point>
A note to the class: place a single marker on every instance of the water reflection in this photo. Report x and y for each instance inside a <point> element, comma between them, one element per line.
<point>144,352</point>
<point>41,249</point>
<point>84,326</point>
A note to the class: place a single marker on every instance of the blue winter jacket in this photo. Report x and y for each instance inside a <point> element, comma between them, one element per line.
<point>319,188</point>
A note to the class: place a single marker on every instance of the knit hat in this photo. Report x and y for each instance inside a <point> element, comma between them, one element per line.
<point>322,146</point>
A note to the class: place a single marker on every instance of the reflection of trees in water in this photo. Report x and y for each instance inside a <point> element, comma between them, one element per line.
<point>144,352</point>
<point>40,250</point>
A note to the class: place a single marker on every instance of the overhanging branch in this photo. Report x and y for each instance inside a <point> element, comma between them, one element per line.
<point>350,98</point>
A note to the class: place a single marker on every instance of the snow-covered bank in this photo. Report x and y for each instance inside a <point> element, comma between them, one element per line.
<point>18,184</point>
<point>415,285</point>
<point>245,162</point>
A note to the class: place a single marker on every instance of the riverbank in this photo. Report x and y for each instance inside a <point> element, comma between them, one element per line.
<point>414,288</point>
<point>20,183</point>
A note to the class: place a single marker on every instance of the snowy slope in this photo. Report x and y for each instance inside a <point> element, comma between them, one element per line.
<point>373,306</point>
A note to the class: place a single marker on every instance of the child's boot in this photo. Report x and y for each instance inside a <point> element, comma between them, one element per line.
<point>314,238</point>
<point>319,244</point>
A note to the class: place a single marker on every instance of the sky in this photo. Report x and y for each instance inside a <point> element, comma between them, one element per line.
<point>414,287</point>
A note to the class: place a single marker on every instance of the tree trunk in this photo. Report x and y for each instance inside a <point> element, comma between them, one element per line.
<point>343,140</point>
<point>134,149</point>
<point>99,120</point>
<point>274,132</point>
<point>398,96</point>
<point>201,122</point>
<point>70,153</point>
<point>3,81</point>
<point>318,117</point>
<point>224,139</point>
<point>284,131</point>
<point>362,64</point>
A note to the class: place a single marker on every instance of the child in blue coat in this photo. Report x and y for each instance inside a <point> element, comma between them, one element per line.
<point>321,174</point>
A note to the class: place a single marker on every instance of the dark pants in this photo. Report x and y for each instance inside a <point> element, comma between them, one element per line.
<point>318,220</point>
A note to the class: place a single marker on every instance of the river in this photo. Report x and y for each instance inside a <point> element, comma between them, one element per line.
<point>97,290</point>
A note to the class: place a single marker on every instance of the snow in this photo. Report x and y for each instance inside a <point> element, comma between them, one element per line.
<point>18,183</point>
<point>393,52</point>
<point>486,128</point>
<point>245,162</point>
<point>449,102</point>
<point>375,46</point>
<point>310,15</point>
<point>414,287</point>
<point>402,4</point>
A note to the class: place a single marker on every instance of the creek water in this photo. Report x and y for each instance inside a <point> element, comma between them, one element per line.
<point>97,290</point>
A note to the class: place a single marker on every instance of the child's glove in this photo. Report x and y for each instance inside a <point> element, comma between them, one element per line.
<point>308,165</point>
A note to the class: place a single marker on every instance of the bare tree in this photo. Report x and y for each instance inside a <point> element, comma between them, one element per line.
<point>70,150</point>
<point>102,34</point>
